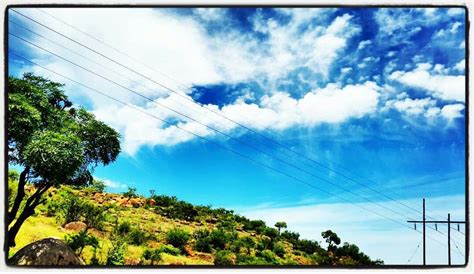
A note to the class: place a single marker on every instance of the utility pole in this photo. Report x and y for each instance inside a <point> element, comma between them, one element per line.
<point>424,233</point>
<point>449,239</point>
<point>424,222</point>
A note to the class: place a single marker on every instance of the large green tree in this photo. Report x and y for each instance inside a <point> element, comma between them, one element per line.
<point>53,142</point>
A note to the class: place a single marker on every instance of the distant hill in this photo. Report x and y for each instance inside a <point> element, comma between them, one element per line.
<point>127,229</point>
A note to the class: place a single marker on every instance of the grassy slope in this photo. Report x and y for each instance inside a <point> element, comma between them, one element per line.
<point>146,219</point>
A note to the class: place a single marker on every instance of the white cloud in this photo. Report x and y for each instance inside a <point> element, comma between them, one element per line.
<point>455,11</point>
<point>112,185</point>
<point>446,87</point>
<point>452,111</point>
<point>364,44</point>
<point>460,66</point>
<point>411,106</point>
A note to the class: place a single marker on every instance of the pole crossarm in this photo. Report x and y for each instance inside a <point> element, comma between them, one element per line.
<point>437,222</point>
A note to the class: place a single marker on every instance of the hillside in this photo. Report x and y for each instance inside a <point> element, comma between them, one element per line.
<point>127,229</point>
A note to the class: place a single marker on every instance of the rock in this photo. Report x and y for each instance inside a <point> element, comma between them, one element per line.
<point>136,202</point>
<point>75,226</point>
<point>152,202</point>
<point>46,252</point>
<point>188,251</point>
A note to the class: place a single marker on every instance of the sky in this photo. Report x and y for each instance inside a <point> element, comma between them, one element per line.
<point>358,112</point>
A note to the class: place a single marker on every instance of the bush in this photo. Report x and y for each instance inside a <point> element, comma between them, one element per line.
<point>268,256</point>
<point>307,246</point>
<point>94,216</point>
<point>97,186</point>
<point>116,254</point>
<point>124,228</point>
<point>154,255</point>
<point>69,207</point>
<point>163,200</point>
<point>279,249</point>
<point>131,193</point>
<point>219,238</point>
<point>224,258</point>
<point>78,241</point>
<point>169,249</point>
<point>177,237</point>
<point>203,242</point>
<point>137,237</point>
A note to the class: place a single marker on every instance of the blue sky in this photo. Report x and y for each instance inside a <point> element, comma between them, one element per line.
<point>380,92</point>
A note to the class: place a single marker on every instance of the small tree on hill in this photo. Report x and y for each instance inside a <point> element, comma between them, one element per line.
<point>331,238</point>
<point>53,142</point>
<point>280,225</point>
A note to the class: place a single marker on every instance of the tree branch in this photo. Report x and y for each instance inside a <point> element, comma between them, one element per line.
<point>19,195</point>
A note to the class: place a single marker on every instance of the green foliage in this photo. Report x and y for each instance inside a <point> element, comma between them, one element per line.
<point>219,238</point>
<point>307,246</point>
<point>55,143</point>
<point>331,238</point>
<point>279,249</point>
<point>124,228</point>
<point>270,232</point>
<point>116,253</point>
<point>137,236</point>
<point>169,249</point>
<point>153,255</point>
<point>177,237</point>
<point>255,225</point>
<point>352,251</point>
<point>225,258</point>
<point>78,241</point>
<point>69,207</point>
<point>163,200</point>
<point>131,192</point>
<point>93,216</point>
<point>13,176</point>
<point>97,186</point>
<point>203,241</point>
<point>268,256</point>
<point>280,225</point>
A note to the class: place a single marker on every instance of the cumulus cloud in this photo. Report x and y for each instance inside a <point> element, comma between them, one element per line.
<point>332,104</point>
<point>445,87</point>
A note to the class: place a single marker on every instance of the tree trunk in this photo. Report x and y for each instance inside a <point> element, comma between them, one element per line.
<point>29,210</point>
<point>19,196</point>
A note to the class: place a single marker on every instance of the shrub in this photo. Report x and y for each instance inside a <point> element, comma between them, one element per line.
<point>97,186</point>
<point>163,200</point>
<point>169,249</point>
<point>78,241</point>
<point>268,256</point>
<point>137,237</point>
<point>124,228</point>
<point>94,216</point>
<point>203,242</point>
<point>70,208</point>
<point>154,255</point>
<point>270,232</point>
<point>255,225</point>
<point>224,257</point>
<point>116,254</point>
<point>279,249</point>
<point>177,237</point>
<point>131,192</point>
<point>307,246</point>
<point>219,238</point>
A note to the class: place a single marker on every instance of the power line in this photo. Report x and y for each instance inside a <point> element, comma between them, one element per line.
<point>213,129</point>
<point>218,144</point>
<point>414,252</point>
<point>203,106</point>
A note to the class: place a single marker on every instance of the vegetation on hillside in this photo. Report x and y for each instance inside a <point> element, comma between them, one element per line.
<point>124,229</point>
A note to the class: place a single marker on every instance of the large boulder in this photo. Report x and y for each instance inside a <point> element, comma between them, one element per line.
<point>46,252</point>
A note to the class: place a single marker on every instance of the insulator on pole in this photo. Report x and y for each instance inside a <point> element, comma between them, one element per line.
<point>458,227</point>
<point>436,227</point>
<point>415,225</point>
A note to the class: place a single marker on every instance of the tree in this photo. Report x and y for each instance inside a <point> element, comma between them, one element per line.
<point>331,238</point>
<point>280,225</point>
<point>52,141</point>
